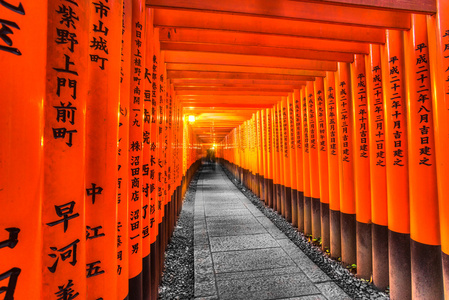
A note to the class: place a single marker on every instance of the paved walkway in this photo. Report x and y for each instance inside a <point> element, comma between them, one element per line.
<point>241,254</point>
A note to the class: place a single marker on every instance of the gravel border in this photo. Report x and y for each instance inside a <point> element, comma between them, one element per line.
<point>354,287</point>
<point>178,274</point>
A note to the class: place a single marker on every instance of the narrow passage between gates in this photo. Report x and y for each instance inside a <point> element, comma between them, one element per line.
<point>240,254</point>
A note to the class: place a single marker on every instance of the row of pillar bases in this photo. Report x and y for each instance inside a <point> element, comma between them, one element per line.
<point>386,257</point>
<point>145,286</point>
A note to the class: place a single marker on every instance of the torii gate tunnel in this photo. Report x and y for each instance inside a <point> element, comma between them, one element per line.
<point>334,112</point>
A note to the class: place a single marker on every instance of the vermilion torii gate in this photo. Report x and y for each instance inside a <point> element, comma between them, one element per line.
<point>334,112</point>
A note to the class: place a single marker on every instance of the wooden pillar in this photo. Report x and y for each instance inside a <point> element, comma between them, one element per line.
<point>147,183</point>
<point>263,148</point>
<point>292,162</point>
<point>102,117</point>
<point>345,137</point>
<point>276,162</point>
<point>425,246</point>
<point>379,212</point>
<point>270,164</point>
<point>280,139</point>
<point>138,30</point>
<point>155,213</point>
<point>306,165</point>
<point>260,162</point>
<point>314,168</point>
<point>397,166</point>
<point>286,160</point>
<point>438,27</point>
<point>361,168</point>
<point>297,96</point>
<point>322,145</point>
<point>333,162</point>
<point>123,156</point>
<point>64,191</point>
<point>21,150</point>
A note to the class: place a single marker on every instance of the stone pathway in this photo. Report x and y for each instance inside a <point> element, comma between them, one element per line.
<point>240,254</point>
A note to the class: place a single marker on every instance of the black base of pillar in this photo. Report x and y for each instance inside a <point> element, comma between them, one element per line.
<point>445,262</point>
<point>294,196</point>
<point>325,228</point>
<point>270,192</point>
<point>316,217</point>
<point>135,287</point>
<point>348,239</point>
<point>364,251</point>
<point>427,275</point>
<point>277,198</point>
<point>282,195</point>
<point>154,265</point>
<point>262,188</point>
<point>146,278</point>
<point>335,233</point>
<point>307,215</point>
<point>380,256</point>
<point>288,204</point>
<point>400,267</point>
<point>300,211</point>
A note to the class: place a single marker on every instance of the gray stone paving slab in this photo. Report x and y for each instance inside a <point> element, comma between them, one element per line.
<point>231,229</point>
<point>258,273</point>
<point>236,220</point>
<point>303,262</point>
<point>228,212</point>
<point>332,291</point>
<point>243,260</point>
<point>242,242</point>
<point>241,254</point>
<point>312,297</point>
<point>270,287</point>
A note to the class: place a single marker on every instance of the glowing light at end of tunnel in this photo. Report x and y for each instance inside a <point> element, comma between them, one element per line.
<point>191,118</point>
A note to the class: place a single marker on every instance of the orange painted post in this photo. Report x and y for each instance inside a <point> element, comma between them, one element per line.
<point>333,165</point>
<point>286,154</point>
<point>147,238</point>
<point>347,197</point>
<point>21,150</point>
<point>245,167</point>
<point>270,150</point>
<point>239,151</point>
<point>123,156</point>
<point>162,178</point>
<point>160,161</point>
<point>263,149</point>
<point>102,117</point>
<point>63,208</point>
<point>281,191</point>
<point>321,133</point>
<point>252,156</point>
<point>297,96</point>
<point>276,179</point>
<point>155,213</point>
<point>425,244</point>
<point>313,161</point>
<point>135,182</point>
<point>314,168</point>
<point>306,164</point>
<point>438,27</point>
<point>378,179</point>
<point>395,106</point>
<point>292,162</point>
<point>260,175</point>
<point>361,168</point>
